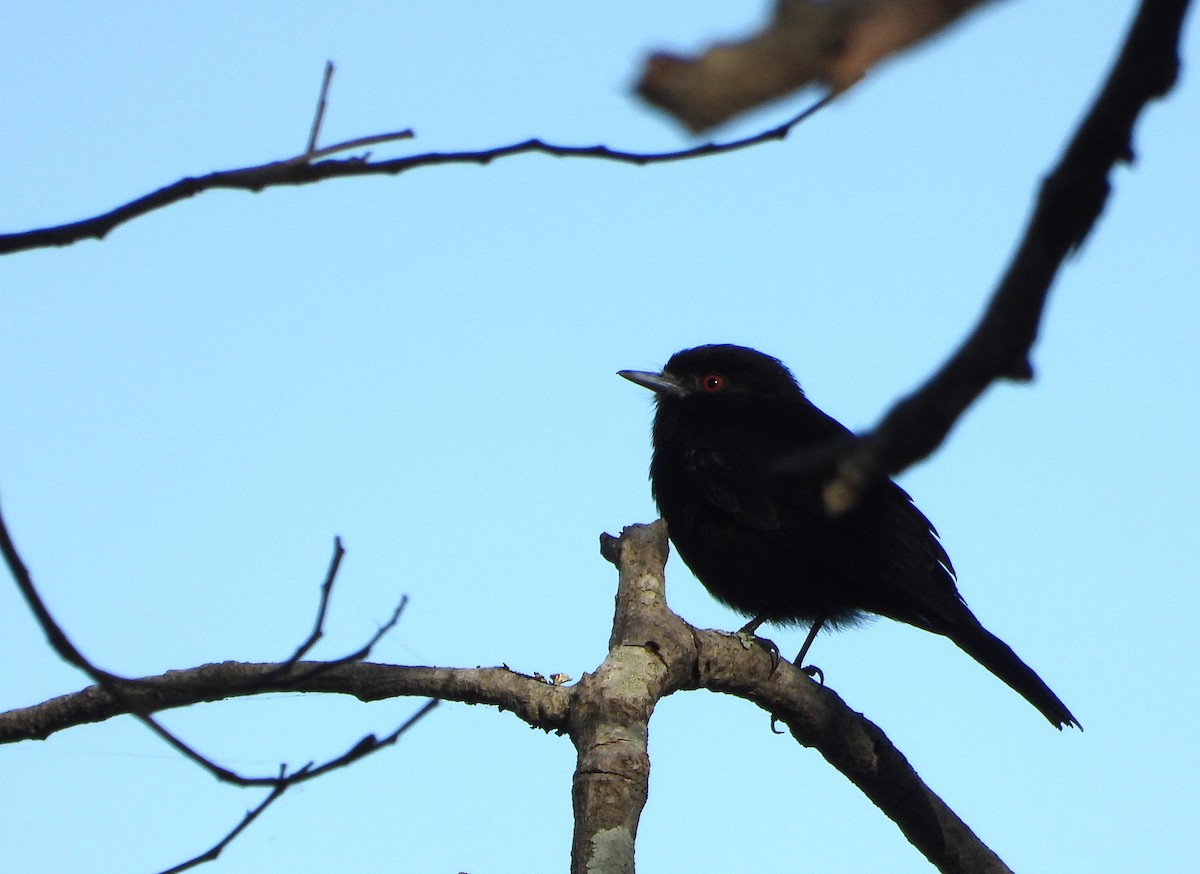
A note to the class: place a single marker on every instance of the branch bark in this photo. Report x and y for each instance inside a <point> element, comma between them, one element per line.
<point>651,654</point>
<point>537,702</point>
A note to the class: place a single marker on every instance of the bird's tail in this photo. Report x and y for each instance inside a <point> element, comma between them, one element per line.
<point>995,655</point>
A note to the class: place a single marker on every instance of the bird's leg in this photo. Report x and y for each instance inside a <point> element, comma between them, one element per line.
<point>752,626</point>
<point>811,670</point>
<point>746,634</point>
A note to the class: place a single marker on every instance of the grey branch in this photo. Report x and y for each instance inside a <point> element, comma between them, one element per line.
<point>652,653</point>
<point>538,703</point>
<point>653,646</point>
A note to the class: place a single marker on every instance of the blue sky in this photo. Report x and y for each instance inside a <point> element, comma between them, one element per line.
<point>424,365</point>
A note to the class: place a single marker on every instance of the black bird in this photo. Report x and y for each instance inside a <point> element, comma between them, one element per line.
<point>759,539</point>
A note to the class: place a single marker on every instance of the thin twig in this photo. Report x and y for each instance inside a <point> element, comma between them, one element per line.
<point>320,116</point>
<point>323,606</point>
<point>365,746</point>
<point>213,852</point>
<point>285,667</point>
<point>360,654</point>
<point>355,143</point>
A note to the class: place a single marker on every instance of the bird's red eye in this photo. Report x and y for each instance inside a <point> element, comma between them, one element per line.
<point>713,382</point>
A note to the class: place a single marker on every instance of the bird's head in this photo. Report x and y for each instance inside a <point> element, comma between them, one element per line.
<point>718,376</point>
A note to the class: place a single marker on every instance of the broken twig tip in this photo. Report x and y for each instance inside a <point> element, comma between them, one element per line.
<point>610,547</point>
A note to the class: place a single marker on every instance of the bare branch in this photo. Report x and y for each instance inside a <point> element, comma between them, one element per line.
<point>540,704</point>
<point>1071,200</point>
<point>301,170</point>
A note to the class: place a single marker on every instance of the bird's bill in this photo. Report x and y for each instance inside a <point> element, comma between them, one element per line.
<point>660,383</point>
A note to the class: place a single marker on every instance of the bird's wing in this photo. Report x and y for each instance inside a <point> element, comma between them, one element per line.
<point>737,472</point>
<point>722,482</point>
<point>885,551</point>
<point>909,524</point>
<point>918,585</point>
<point>885,548</point>
<point>884,556</point>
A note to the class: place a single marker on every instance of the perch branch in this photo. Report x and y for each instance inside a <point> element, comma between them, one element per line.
<point>676,657</point>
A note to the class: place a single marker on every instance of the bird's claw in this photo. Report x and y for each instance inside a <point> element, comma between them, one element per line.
<point>814,673</point>
<point>749,639</point>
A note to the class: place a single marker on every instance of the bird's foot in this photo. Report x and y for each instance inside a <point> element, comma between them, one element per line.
<point>749,638</point>
<point>814,673</point>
